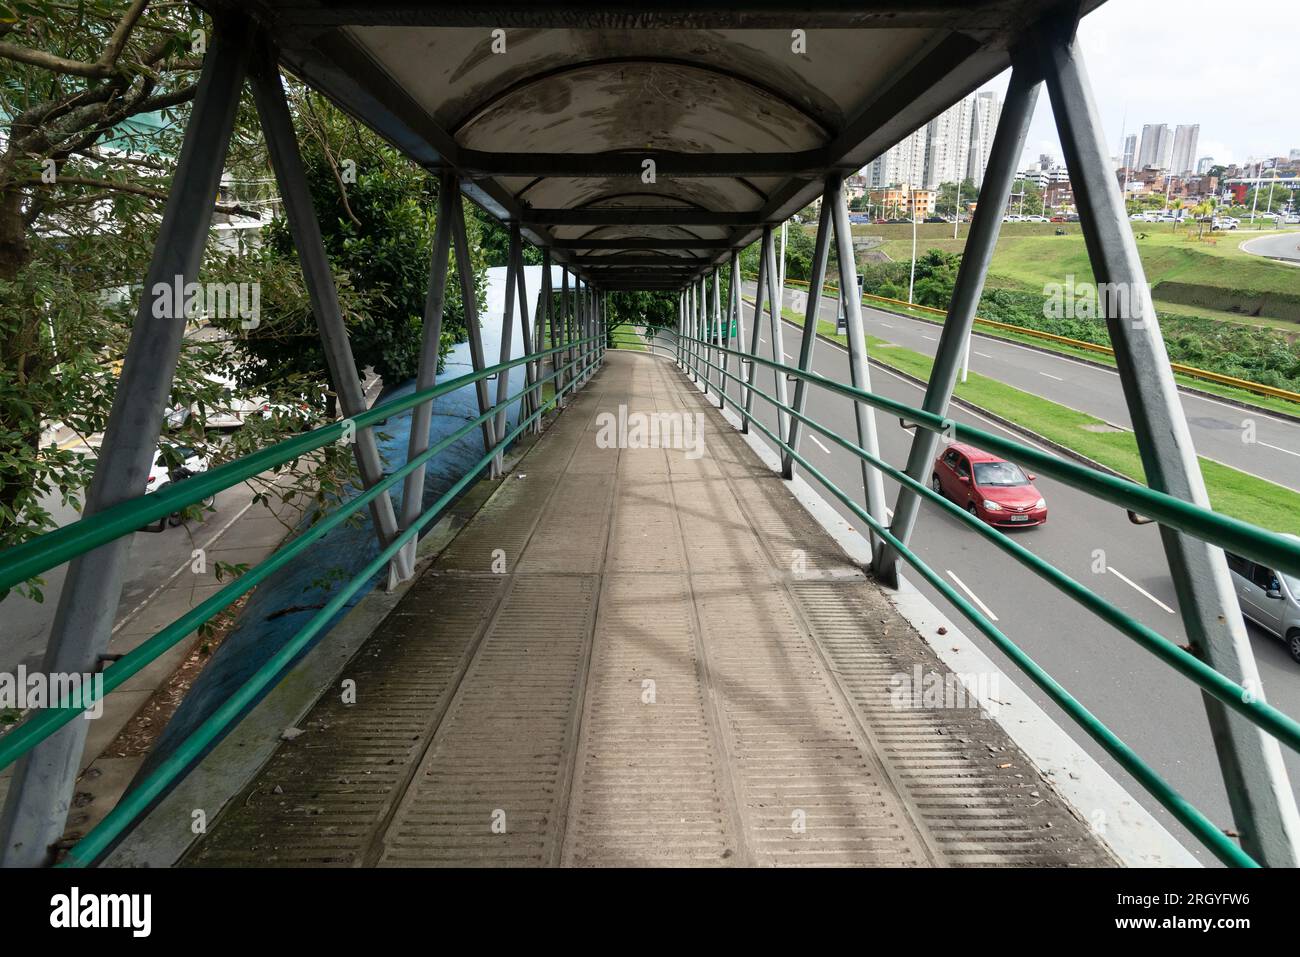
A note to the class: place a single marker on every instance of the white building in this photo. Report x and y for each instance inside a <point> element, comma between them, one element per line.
<point>1184,153</point>
<point>986,110</point>
<point>903,164</point>
<point>947,146</point>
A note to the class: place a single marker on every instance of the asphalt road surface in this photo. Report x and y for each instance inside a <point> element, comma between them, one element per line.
<point>1286,246</point>
<point>1218,428</point>
<point>1156,711</point>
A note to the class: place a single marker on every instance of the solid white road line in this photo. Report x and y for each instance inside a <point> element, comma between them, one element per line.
<point>972,596</point>
<point>1050,376</point>
<point>1128,581</point>
<point>924,336</point>
<point>887,325</point>
<point>1278,448</point>
<point>817,442</point>
<point>983,354</point>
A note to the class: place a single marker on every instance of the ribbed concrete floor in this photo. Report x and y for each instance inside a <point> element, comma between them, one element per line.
<point>640,657</point>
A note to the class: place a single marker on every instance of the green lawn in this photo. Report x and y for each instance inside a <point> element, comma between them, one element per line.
<point>1206,277</point>
<point>1232,492</point>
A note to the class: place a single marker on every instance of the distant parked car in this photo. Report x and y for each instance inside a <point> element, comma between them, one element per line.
<point>935,219</point>
<point>1223,224</point>
<point>990,488</point>
<point>174,463</point>
<point>1269,599</point>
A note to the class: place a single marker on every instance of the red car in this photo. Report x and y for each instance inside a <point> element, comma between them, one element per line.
<point>990,488</point>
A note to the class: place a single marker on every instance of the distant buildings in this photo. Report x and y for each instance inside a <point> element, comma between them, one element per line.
<point>1204,165</point>
<point>952,147</point>
<point>903,202</point>
<point>1156,147</point>
<point>1184,154</point>
<point>1129,156</point>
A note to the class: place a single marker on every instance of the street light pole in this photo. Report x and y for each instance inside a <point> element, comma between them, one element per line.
<point>911,280</point>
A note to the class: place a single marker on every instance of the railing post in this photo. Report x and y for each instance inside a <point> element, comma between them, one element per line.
<point>817,281</point>
<point>753,336</point>
<point>427,373</point>
<point>1250,759</point>
<point>859,371</point>
<point>465,270</point>
<point>40,793</point>
<point>775,303</point>
<point>1004,157</point>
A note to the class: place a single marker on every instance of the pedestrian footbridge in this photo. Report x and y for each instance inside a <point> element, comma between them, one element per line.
<point>635,656</point>
<point>596,648</point>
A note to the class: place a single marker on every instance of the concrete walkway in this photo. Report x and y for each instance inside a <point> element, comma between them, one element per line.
<point>641,656</point>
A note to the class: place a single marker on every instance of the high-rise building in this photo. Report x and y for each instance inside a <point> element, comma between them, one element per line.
<point>1130,151</point>
<point>903,164</point>
<point>1204,164</point>
<point>1184,152</point>
<point>1156,146</point>
<point>955,145</point>
<point>986,109</point>
<point>947,144</point>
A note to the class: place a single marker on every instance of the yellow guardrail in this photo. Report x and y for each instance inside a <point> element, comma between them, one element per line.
<point>1244,384</point>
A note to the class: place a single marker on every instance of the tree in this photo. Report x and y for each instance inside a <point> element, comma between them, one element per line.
<point>93,93</point>
<point>375,210</point>
<point>946,202</point>
<point>1026,197</point>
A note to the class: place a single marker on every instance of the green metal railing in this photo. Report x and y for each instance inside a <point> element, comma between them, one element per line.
<point>52,549</point>
<point>1269,548</point>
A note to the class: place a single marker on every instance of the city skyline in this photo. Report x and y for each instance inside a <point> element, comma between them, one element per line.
<point>1235,93</point>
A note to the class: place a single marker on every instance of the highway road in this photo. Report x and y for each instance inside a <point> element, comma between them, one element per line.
<point>1218,428</point>
<point>1156,711</point>
<point>155,557</point>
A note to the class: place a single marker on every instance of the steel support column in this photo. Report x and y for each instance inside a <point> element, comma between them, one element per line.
<point>427,373</point>
<point>737,340</point>
<point>507,339</point>
<point>545,323</point>
<point>1250,760</point>
<point>821,257</point>
<point>40,792</point>
<point>775,297</point>
<point>1004,158</point>
<point>873,484</point>
<point>566,339</point>
<point>753,336</point>
<point>468,295</point>
<point>706,319</point>
<point>720,331</point>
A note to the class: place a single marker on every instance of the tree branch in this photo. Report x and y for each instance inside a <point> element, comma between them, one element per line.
<point>101,69</point>
<point>137,190</point>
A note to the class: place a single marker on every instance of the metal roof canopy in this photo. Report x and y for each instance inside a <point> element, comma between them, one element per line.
<point>554,131</point>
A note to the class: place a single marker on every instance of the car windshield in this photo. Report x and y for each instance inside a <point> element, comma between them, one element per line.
<point>999,473</point>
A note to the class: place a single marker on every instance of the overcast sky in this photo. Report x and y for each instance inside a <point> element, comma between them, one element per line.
<point>1189,61</point>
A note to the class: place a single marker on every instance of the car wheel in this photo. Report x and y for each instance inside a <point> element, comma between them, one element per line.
<point>936,484</point>
<point>974,511</point>
<point>1293,644</point>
